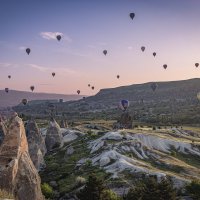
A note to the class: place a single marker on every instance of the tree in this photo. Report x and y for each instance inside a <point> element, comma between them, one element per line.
<point>194,189</point>
<point>151,189</point>
<point>92,190</point>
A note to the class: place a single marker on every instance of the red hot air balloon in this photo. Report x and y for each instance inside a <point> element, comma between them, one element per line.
<point>118,76</point>
<point>78,91</point>
<point>92,87</point>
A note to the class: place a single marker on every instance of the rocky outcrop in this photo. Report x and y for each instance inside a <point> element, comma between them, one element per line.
<point>17,172</point>
<point>54,137</point>
<point>36,144</point>
<point>2,131</point>
<point>125,121</point>
<point>63,123</point>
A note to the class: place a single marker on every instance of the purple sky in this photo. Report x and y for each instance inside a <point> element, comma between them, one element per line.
<point>170,28</point>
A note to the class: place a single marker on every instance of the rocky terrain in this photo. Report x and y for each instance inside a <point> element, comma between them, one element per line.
<point>122,157</point>
<point>18,175</point>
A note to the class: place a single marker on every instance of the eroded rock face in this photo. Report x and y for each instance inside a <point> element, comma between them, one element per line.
<point>54,137</point>
<point>36,144</point>
<point>2,131</point>
<point>18,175</point>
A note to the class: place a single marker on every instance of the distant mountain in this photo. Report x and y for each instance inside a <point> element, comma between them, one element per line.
<point>173,101</point>
<point>13,97</point>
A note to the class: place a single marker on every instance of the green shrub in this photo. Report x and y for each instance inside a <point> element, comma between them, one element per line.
<point>47,190</point>
<point>109,195</point>
<point>194,189</point>
<point>5,194</point>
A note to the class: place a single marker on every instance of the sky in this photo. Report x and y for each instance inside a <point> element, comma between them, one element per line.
<point>168,27</point>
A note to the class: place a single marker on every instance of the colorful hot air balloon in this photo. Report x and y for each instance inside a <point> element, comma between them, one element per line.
<point>143,48</point>
<point>78,91</point>
<point>196,64</point>
<point>92,87</point>
<point>165,66</point>
<point>6,90</point>
<point>198,96</point>
<point>118,76</point>
<point>132,15</point>
<point>105,52</point>
<point>58,37</point>
<point>32,88</point>
<point>124,104</point>
<point>24,101</point>
<point>28,51</point>
<point>154,54</point>
<point>53,74</point>
<point>154,86</point>
<point>9,76</point>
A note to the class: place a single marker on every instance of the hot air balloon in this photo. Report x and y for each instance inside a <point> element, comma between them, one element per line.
<point>165,66</point>
<point>92,87</point>
<point>196,64</point>
<point>6,90</point>
<point>143,48</point>
<point>24,101</point>
<point>32,88</point>
<point>124,104</point>
<point>78,91</point>
<point>105,52</point>
<point>88,85</point>
<point>154,86</point>
<point>198,96</point>
<point>28,51</point>
<point>58,37</point>
<point>53,74</point>
<point>132,15</point>
<point>154,54</point>
<point>118,76</point>
<point>9,76</point>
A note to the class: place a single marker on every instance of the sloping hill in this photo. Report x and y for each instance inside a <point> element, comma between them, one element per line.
<point>14,97</point>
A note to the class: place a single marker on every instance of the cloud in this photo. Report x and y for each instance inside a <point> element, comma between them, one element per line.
<point>52,36</point>
<point>39,67</point>
<point>22,48</point>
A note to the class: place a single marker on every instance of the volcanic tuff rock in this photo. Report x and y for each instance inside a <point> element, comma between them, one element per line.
<point>2,131</point>
<point>17,172</point>
<point>36,144</point>
<point>54,136</point>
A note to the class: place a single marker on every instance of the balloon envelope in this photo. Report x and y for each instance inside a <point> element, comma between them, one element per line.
<point>78,91</point>
<point>9,76</point>
<point>196,64</point>
<point>143,48</point>
<point>118,76</point>
<point>53,74</point>
<point>105,52</point>
<point>165,66</point>
<point>124,104</point>
<point>154,54</point>
<point>92,87</point>
<point>32,88</point>
<point>58,37</point>
<point>28,50</point>
<point>132,15</point>
<point>88,85</point>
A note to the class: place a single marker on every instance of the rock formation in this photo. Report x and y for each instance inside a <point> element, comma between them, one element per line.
<point>54,137</point>
<point>2,131</point>
<point>36,144</point>
<point>125,121</point>
<point>17,172</point>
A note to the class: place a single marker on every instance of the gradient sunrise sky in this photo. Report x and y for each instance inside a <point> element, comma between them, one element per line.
<point>169,27</point>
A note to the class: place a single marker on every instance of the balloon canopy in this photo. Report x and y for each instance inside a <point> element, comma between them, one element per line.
<point>124,104</point>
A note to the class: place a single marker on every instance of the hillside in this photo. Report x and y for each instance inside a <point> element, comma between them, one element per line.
<point>172,102</point>
<point>13,97</point>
